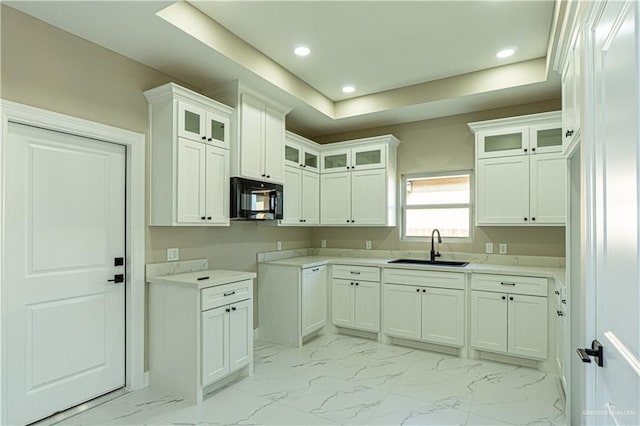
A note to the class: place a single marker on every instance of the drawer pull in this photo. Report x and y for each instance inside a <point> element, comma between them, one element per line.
<point>355,273</point>
<point>506,283</point>
<point>203,278</point>
<point>231,293</point>
<point>315,269</point>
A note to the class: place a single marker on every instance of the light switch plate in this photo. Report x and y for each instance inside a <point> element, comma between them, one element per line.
<point>488,248</point>
<point>279,245</point>
<point>503,248</point>
<point>367,244</point>
<point>323,243</point>
<point>173,254</point>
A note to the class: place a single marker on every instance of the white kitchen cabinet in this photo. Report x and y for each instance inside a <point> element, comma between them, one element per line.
<point>225,340</point>
<point>200,330</point>
<point>301,152</point>
<point>520,171</point>
<point>301,197</point>
<point>292,301</point>
<point>203,125</point>
<point>424,305</point>
<point>257,133</point>
<point>571,90</point>
<point>509,315</point>
<point>355,297</point>
<point>189,164</point>
<point>357,184</point>
<point>314,299</point>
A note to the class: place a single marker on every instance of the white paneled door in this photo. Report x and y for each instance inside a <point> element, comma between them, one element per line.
<point>616,113</point>
<point>65,225</point>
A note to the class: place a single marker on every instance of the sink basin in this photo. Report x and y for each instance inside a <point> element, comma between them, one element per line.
<point>430,262</point>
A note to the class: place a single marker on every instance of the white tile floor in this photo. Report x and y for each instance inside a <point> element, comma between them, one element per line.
<point>338,379</point>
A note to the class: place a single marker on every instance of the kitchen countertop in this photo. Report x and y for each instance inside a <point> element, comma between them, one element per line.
<point>215,277</point>
<point>557,274</point>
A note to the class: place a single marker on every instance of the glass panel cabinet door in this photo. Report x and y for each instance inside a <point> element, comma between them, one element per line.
<point>191,122</point>
<point>336,161</point>
<point>546,138</point>
<point>217,130</point>
<point>502,143</point>
<point>292,155</point>
<point>311,160</point>
<point>368,157</point>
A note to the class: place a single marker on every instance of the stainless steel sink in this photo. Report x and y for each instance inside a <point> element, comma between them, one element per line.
<point>430,262</point>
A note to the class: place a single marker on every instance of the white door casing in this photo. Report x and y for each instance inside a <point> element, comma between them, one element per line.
<point>65,227</point>
<point>134,217</point>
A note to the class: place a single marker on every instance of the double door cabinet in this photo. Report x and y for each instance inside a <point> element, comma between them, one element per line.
<point>301,182</point>
<point>509,315</point>
<point>424,305</point>
<point>355,297</point>
<point>189,167</point>
<point>520,171</point>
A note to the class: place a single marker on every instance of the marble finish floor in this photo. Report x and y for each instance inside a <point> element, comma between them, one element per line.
<point>337,379</point>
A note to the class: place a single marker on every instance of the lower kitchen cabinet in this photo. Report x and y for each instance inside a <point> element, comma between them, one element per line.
<point>292,301</point>
<point>512,318</point>
<point>424,305</point>
<point>225,340</point>
<point>200,330</point>
<point>355,297</point>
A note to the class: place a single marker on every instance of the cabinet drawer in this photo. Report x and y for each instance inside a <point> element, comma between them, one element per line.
<point>212,297</point>
<point>535,286</point>
<point>363,273</point>
<point>424,278</point>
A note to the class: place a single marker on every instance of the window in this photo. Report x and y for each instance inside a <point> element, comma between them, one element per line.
<point>437,200</point>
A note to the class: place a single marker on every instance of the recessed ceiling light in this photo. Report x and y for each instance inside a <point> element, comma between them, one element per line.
<point>302,50</point>
<point>505,53</point>
<point>349,88</point>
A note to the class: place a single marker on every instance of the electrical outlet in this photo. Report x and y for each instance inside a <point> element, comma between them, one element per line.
<point>503,248</point>
<point>367,244</point>
<point>323,243</point>
<point>279,245</point>
<point>488,248</point>
<point>173,254</point>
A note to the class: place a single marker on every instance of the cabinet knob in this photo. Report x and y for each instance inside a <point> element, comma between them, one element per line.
<point>304,166</point>
<point>511,298</point>
<point>560,313</point>
<point>525,150</point>
<point>504,297</point>
<point>348,220</point>
<point>357,283</point>
<point>233,308</point>
<point>301,165</point>
<point>300,220</point>
<point>418,290</point>
<point>209,139</point>
<point>263,175</point>
<point>348,167</point>
<point>525,219</point>
<point>304,220</point>
<point>268,176</point>
<point>351,283</point>
<point>424,290</point>
<point>533,149</point>
<point>208,217</point>
<point>533,218</point>
<point>353,221</point>
<point>204,138</point>
<point>557,292</point>
<point>227,310</point>
<point>569,133</point>
<point>203,218</point>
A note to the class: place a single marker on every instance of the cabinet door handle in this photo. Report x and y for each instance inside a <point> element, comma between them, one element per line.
<point>208,217</point>
<point>203,218</point>
<point>233,308</point>
<point>557,292</point>
<point>569,133</point>
<point>227,310</point>
<point>209,139</point>
<point>506,283</point>
<point>355,273</point>
<point>231,293</point>
<point>315,269</point>
<point>204,138</point>
<point>268,176</point>
<point>560,313</point>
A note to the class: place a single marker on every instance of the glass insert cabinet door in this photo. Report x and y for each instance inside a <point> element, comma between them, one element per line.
<point>217,131</point>
<point>292,155</point>
<point>336,161</point>
<point>546,138</point>
<point>506,142</point>
<point>191,122</point>
<point>311,160</point>
<point>372,157</point>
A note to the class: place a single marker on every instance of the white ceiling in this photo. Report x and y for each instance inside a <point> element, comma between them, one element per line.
<point>408,60</point>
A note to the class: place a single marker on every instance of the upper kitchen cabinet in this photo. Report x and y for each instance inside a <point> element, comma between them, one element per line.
<point>524,135</point>
<point>358,182</point>
<point>189,158</point>
<point>520,171</point>
<point>257,134</point>
<point>302,182</point>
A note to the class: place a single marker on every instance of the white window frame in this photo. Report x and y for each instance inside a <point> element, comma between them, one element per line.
<point>404,207</point>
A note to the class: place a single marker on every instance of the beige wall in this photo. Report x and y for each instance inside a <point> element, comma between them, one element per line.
<point>446,144</point>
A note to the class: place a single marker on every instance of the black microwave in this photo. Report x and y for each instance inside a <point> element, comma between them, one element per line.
<point>255,200</point>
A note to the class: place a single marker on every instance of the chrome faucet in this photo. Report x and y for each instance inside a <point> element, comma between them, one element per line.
<point>435,253</point>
